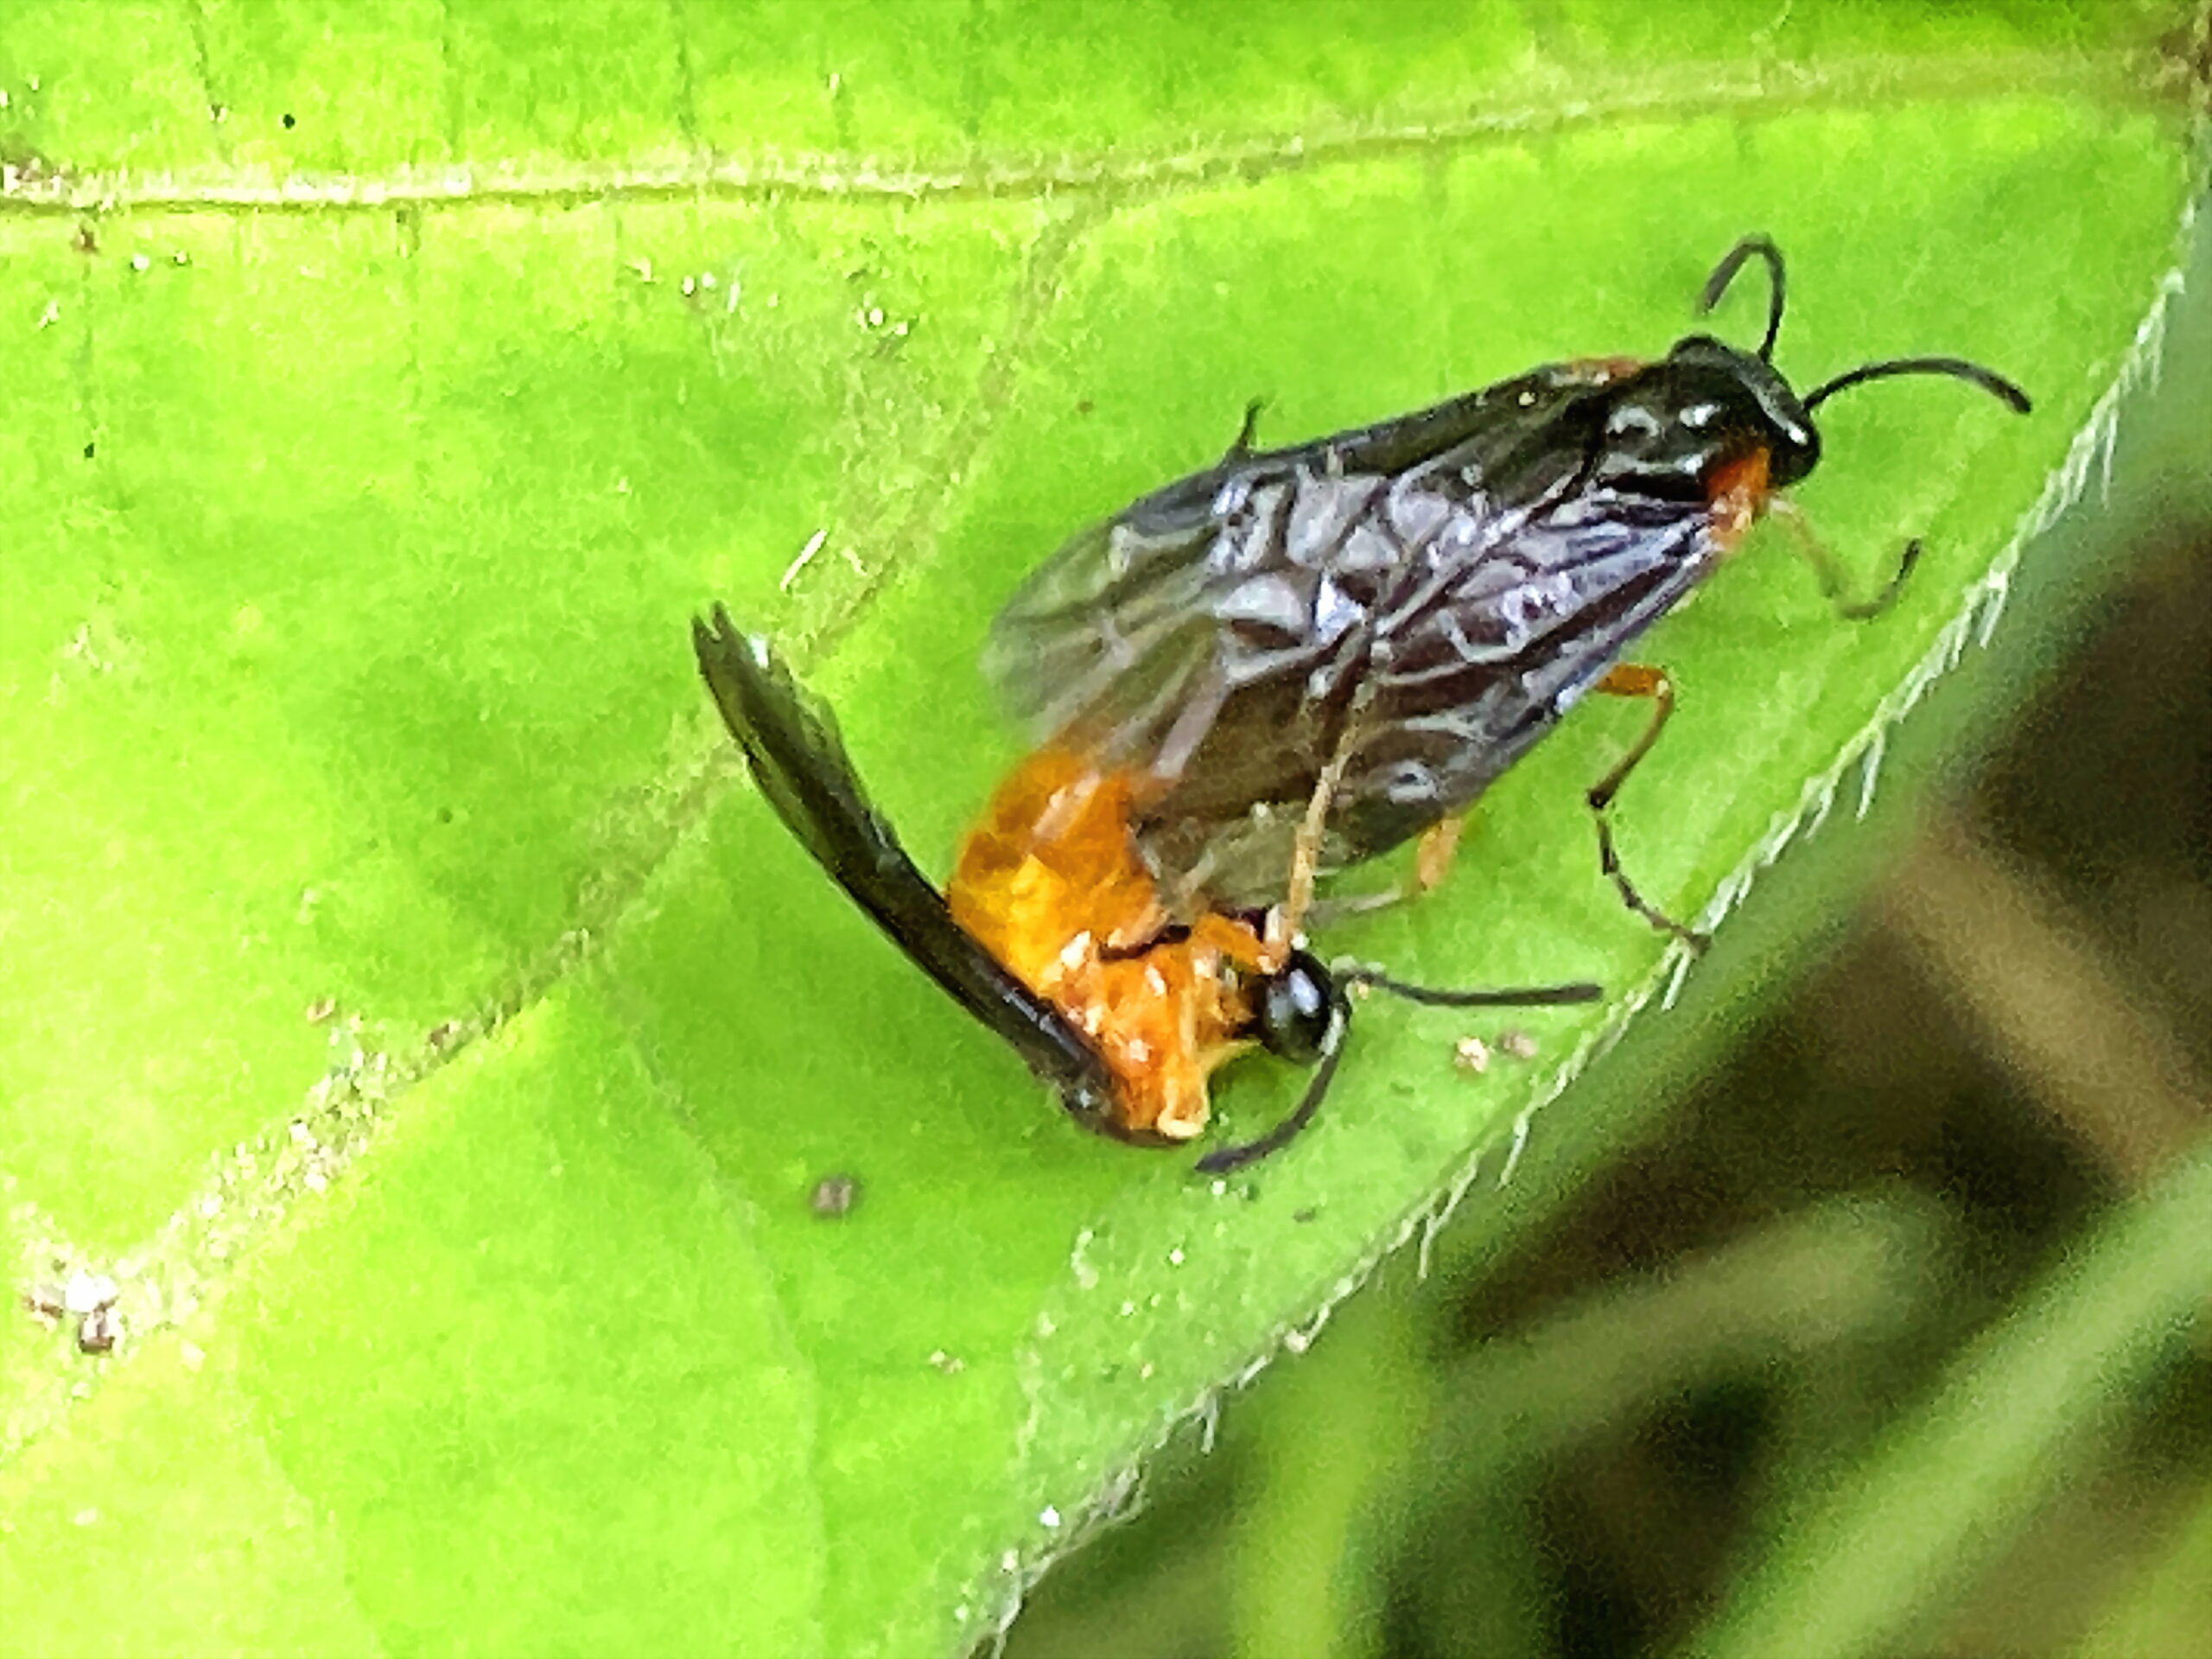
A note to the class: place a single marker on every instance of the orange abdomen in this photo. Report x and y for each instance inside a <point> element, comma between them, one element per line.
<point>1049,882</point>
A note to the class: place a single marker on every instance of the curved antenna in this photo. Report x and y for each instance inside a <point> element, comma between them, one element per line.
<point>1724,273</point>
<point>1534,996</point>
<point>1229,1158</point>
<point>1958,368</point>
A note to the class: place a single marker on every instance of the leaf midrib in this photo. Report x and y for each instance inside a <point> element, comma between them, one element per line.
<point>692,172</point>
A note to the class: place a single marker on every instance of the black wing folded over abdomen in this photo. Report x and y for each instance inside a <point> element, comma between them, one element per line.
<point>791,743</point>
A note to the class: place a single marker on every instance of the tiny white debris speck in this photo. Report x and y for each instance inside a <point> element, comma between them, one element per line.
<point>1175,1256</point>
<point>191,1356</point>
<point>1472,1054</point>
<point>140,262</point>
<point>88,1291</point>
<point>690,286</point>
<point>1048,1516</point>
<point>51,316</point>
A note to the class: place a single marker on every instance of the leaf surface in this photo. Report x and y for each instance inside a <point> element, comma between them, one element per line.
<point>405,1002</point>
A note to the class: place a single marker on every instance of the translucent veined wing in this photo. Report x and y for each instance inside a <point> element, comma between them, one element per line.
<point>1421,599</point>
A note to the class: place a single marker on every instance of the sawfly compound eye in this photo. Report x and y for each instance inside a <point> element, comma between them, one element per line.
<point>1300,1010</point>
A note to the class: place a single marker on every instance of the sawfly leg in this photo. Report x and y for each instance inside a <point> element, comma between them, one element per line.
<point>1828,571</point>
<point>1652,684</point>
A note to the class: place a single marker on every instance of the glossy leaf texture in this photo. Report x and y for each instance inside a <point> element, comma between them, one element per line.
<point>403,1001</point>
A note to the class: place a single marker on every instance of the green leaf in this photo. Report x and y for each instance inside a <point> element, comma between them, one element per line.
<point>407,1009</point>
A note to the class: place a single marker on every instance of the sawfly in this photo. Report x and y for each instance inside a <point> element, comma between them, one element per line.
<point>1292,663</point>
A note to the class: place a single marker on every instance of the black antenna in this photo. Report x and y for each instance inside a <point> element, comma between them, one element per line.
<point>1957,367</point>
<point>1724,273</point>
<point>1531,996</point>
<point>1536,996</point>
<point>1332,1050</point>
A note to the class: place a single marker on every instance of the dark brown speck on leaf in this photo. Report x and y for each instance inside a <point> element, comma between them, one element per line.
<point>46,1300</point>
<point>100,1331</point>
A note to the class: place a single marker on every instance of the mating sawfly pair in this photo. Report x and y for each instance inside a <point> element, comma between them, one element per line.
<point>1289,663</point>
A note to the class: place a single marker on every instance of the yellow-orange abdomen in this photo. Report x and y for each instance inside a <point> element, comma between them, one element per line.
<point>1049,882</point>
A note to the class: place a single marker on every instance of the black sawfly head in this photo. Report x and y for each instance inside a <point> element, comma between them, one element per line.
<point>1302,1012</point>
<point>1672,426</point>
<point>1723,389</point>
